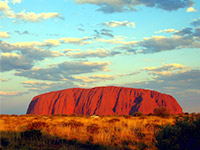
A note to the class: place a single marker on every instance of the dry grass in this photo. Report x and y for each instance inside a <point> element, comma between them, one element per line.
<point>126,132</point>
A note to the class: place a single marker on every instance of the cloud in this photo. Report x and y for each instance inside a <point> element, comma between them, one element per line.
<point>71,50</point>
<point>16,1</point>
<point>4,80</point>
<point>128,74</point>
<point>13,61</point>
<point>79,41</point>
<point>191,9</point>
<point>63,71</point>
<point>166,69</point>
<point>120,24</point>
<point>196,22</point>
<point>43,87</point>
<point>50,42</point>
<point>35,85</point>
<point>94,78</point>
<point>161,43</point>
<point>184,38</point>
<point>12,93</point>
<point>98,53</point>
<point>173,83</point>
<point>23,55</point>
<point>184,31</point>
<point>112,6</point>
<point>166,31</point>
<point>107,32</point>
<point>103,32</point>
<point>4,35</point>
<point>26,16</point>
<point>4,6</point>
<point>81,29</point>
<point>22,33</point>
<point>117,41</point>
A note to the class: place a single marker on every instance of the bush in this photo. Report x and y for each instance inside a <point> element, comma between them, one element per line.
<point>137,114</point>
<point>4,142</point>
<point>184,135</point>
<point>31,134</point>
<point>161,111</point>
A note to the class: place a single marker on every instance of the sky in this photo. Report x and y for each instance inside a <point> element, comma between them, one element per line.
<point>50,45</point>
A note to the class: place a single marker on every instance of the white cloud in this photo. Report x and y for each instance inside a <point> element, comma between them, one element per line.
<point>12,93</point>
<point>16,1</point>
<point>191,9</point>
<point>25,16</point>
<point>80,41</point>
<point>94,78</point>
<point>4,6</point>
<point>4,35</point>
<point>31,16</point>
<point>166,69</point>
<point>167,31</point>
<point>120,24</point>
<point>117,41</point>
<point>94,53</point>
<point>4,80</point>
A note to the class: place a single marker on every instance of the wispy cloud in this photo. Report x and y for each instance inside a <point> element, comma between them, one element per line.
<point>166,31</point>
<point>79,41</point>
<point>12,93</point>
<point>4,80</point>
<point>42,87</point>
<point>16,1</point>
<point>94,78</point>
<point>166,69</point>
<point>120,24</point>
<point>93,53</point>
<point>128,74</point>
<point>111,6</point>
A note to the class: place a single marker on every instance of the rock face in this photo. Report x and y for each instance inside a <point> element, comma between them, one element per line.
<point>101,101</point>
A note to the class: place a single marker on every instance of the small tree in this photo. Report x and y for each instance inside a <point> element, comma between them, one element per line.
<point>161,111</point>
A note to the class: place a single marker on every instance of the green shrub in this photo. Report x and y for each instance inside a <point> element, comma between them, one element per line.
<point>184,135</point>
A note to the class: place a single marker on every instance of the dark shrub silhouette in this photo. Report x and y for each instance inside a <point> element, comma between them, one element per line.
<point>31,134</point>
<point>184,135</point>
<point>137,114</point>
<point>161,111</point>
<point>4,142</point>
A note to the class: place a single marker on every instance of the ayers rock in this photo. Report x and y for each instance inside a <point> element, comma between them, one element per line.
<point>101,101</point>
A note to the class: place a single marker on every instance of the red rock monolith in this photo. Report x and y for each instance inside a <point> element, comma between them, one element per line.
<point>107,100</point>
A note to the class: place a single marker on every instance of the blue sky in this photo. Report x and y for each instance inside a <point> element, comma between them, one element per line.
<point>53,45</point>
